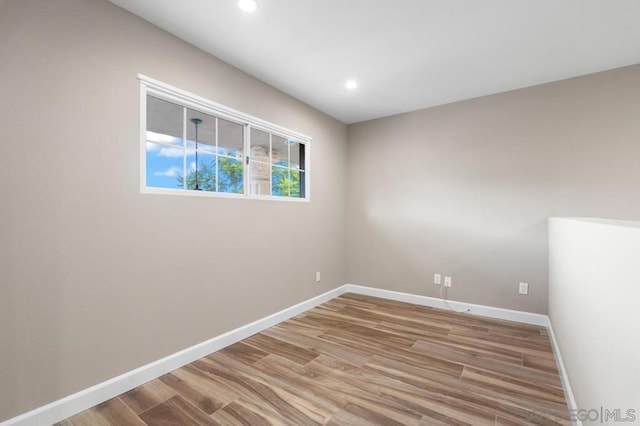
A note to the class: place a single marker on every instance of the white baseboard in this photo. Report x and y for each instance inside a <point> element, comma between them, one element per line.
<point>87,398</point>
<point>564,377</point>
<point>90,397</point>
<point>482,310</point>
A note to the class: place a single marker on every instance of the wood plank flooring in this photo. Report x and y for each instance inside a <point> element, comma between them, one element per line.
<point>358,360</point>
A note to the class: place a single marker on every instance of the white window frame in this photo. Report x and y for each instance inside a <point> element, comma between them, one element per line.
<point>149,86</point>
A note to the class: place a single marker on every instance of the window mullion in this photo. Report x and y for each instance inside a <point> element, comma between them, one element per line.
<point>246,160</point>
<point>303,174</point>
<point>184,148</point>
<point>270,165</point>
<point>217,156</point>
<point>288,169</point>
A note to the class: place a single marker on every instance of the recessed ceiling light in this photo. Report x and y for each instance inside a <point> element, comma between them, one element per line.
<point>248,5</point>
<point>351,84</point>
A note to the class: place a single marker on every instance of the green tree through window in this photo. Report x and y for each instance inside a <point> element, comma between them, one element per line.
<point>229,175</point>
<point>283,184</point>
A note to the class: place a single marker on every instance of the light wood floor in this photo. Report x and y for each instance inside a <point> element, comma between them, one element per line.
<point>358,360</point>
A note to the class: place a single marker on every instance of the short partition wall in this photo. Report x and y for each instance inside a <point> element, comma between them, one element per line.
<point>594,301</point>
<point>73,404</point>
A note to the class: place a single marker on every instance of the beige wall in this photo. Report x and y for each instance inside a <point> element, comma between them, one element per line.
<point>465,189</point>
<point>97,279</point>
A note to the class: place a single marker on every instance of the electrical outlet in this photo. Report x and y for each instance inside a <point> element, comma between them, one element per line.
<point>447,281</point>
<point>437,279</point>
<point>318,276</point>
<point>523,288</point>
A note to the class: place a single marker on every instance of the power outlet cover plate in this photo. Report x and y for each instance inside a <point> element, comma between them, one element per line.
<point>523,288</point>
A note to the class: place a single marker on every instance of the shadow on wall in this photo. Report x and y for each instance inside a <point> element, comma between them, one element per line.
<point>486,254</point>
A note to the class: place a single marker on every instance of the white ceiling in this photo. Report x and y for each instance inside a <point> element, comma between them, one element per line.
<point>405,54</point>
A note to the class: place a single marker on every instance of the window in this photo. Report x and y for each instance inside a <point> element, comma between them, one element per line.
<point>276,165</point>
<point>192,146</point>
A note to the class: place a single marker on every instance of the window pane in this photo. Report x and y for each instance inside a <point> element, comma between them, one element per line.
<point>164,171</point>
<point>206,127</point>
<point>260,145</point>
<point>296,154</point>
<point>298,177</point>
<point>230,138</point>
<point>201,174</point>
<point>278,180</point>
<point>230,177</point>
<point>287,182</point>
<point>258,176</point>
<point>280,150</point>
<point>164,122</point>
<point>259,163</point>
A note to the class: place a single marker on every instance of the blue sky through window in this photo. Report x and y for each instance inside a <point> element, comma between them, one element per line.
<point>164,162</point>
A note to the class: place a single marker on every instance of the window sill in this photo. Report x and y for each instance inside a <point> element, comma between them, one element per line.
<point>209,194</point>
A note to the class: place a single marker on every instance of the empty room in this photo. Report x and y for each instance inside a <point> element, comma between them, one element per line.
<point>301,212</point>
